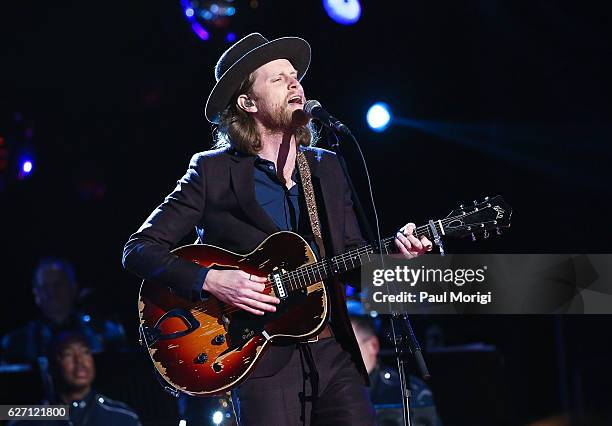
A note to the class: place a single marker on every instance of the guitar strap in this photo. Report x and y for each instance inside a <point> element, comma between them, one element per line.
<point>313,215</point>
<point>311,203</point>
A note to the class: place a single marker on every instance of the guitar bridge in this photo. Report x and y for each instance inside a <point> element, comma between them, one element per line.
<point>279,288</point>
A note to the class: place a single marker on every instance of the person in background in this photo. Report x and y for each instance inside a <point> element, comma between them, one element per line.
<point>385,391</point>
<point>55,293</point>
<point>72,368</point>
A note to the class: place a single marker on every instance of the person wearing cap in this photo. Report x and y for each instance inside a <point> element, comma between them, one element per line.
<point>240,193</point>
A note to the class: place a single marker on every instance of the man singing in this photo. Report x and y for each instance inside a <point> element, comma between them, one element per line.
<point>245,190</point>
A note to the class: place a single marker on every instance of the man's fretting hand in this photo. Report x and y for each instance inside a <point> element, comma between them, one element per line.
<point>408,245</point>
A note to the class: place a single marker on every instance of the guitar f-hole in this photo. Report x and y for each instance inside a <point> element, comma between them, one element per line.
<point>153,334</point>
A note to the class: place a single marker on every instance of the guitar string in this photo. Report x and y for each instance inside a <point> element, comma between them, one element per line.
<point>305,271</point>
<point>307,282</point>
<point>303,274</point>
<point>306,275</point>
<point>313,268</point>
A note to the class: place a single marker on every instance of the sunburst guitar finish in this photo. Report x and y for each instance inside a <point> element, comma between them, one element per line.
<point>207,348</point>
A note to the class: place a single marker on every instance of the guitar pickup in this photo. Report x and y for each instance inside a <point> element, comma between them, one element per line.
<point>279,288</point>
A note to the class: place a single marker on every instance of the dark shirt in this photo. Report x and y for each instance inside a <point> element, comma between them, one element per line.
<point>28,343</point>
<point>93,410</point>
<point>284,206</point>
<point>280,203</point>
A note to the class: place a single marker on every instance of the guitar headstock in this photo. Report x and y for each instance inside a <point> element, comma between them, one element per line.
<point>478,219</point>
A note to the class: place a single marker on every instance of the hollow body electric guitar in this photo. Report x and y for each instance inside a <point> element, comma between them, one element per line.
<point>208,347</point>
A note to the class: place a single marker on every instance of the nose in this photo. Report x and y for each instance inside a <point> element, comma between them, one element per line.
<point>294,83</point>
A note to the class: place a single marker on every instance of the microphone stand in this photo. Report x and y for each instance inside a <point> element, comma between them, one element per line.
<point>404,339</point>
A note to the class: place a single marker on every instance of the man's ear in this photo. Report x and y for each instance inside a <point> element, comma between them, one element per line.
<point>245,103</point>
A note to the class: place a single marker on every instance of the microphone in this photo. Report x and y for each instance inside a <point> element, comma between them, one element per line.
<point>314,110</point>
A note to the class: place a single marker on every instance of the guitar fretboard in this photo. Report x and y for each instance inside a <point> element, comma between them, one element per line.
<point>326,268</point>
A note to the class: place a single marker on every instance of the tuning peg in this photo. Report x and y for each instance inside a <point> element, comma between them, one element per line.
<point>486,199</point>
<point>461,206</point>
<point>473,237</point>
<point>486,234</point>
<point>498,230</point>
<point>475,202</point>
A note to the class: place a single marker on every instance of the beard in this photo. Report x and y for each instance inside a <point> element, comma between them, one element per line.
<point>282,118</point>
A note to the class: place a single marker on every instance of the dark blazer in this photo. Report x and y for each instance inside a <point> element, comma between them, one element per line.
<point>217,197</point>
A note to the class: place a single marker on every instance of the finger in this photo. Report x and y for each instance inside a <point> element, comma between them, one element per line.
<point>255,304</point>
<point>262,297</point>
<point>426,243</point>
<point>253,277</point>
<point>257,279</point>
<point>404,241</point>
<point>248,309</point>
<point>258,287</point>
<point>415,243</point>
<point>408,229</point>
<point>401,247</point>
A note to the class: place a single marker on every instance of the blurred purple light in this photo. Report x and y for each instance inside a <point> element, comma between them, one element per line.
<point>200,31</point>
<point>189,12</point>
<point>230,37</point>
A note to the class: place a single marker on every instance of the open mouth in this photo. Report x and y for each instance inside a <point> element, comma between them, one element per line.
<point>296,99</point>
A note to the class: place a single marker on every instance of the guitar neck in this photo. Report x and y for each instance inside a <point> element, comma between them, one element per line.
<point>327,268</point>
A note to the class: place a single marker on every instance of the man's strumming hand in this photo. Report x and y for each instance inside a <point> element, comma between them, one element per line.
<point>239,289</point>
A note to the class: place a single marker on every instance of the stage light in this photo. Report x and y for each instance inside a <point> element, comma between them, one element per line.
<point>379,116</point>
<point>230,37</point>
<point>200,31</point>
<point>182,422</point>
<point>217,417</point>
<point>210,20</point>
<point>27,166</point>
<point>345,12</point>
<point>25,159</point>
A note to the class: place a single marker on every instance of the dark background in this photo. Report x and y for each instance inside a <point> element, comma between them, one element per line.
<point>508,98</point>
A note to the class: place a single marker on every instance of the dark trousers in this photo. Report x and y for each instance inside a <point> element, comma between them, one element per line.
<point>319,386</point>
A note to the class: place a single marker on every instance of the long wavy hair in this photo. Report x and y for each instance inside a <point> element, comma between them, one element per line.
<point>237,128</point>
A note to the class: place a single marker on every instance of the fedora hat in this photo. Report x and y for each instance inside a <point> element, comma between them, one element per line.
<point>244,57</point>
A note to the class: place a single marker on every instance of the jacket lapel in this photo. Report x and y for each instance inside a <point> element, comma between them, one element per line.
<point>243,185</point>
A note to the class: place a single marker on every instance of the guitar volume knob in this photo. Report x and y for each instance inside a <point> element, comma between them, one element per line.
<point>219,339</point>
<point>201,359</point>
